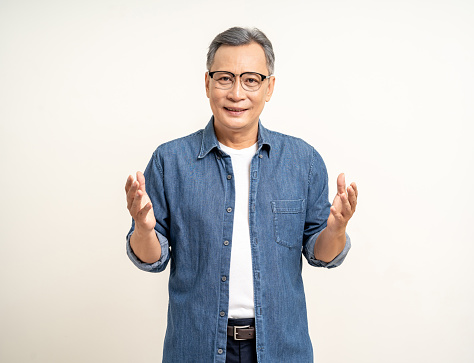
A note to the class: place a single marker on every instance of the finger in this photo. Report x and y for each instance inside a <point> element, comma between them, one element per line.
<point>341,184</point>
<point>136,204</point>
<point>141,180</point>
<point>352,197</point>
<point>337,215</point>
<point>337,203</point>
<point>141,215</point>
<point>354,186</point>
<point>128,184</point>
<point>346,206</point>
<point>131,194</point>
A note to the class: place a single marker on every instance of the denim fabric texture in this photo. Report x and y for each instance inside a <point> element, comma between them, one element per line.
<point>190,184</point>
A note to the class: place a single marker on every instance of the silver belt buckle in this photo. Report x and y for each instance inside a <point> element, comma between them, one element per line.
<point>239,327</point>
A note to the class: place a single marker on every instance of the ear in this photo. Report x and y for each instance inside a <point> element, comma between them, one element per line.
<point>206,82</point>
<point>271,86</point>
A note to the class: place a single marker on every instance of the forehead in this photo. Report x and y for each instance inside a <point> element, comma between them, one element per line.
<point>239,59</point>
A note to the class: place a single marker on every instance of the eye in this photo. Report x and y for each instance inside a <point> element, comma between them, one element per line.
<point>252,80</point>
<point>223,78</point>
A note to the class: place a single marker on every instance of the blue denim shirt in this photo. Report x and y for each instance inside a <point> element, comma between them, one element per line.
<point>190,184</point>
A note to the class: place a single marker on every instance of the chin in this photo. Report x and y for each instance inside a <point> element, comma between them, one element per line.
<point>236,123</point>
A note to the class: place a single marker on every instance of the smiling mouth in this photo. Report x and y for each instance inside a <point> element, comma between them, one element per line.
<point>235,109</point>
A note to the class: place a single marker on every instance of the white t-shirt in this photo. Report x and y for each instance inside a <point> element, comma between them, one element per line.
<point>241,303</point>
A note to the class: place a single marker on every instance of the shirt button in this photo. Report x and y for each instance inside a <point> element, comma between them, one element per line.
<point>220,351</point>
<point>226,243</point>
<point>260,156</point>
<point>229,210</point>
<point>229,177</point>
<point>224,278</point>
<point>222,313</point>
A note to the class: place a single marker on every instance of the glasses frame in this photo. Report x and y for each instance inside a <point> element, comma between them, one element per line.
<point>264,77</point>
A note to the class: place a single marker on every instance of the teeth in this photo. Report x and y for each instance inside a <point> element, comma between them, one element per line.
<point>234,109</point>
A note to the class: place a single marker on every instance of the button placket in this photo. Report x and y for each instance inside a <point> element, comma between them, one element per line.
<point>227,175</point>
<point>255,173</point>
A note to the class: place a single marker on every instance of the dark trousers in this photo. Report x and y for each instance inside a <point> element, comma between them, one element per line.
<point>241,351</point>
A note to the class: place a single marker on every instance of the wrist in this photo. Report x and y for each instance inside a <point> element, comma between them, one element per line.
<point>143,231</point>
<point>336,232</point>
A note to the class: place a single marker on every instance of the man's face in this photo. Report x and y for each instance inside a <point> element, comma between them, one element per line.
<point>237,110</point>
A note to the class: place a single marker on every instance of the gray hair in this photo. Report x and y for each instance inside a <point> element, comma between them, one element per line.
<point>241,36</point>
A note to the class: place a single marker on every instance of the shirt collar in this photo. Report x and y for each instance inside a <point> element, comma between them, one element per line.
<point>209,139</point>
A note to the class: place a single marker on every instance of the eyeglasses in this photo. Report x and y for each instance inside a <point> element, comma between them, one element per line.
<point>250,81</point>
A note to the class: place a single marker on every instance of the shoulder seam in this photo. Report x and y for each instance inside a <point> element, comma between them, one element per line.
<point>158,165</point>
<point>311,167</point>
<point>181,138</point>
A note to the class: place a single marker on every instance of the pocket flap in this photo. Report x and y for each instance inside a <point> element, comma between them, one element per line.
<point>288,206</point>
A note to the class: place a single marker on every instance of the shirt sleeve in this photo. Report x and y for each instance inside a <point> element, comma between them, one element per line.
<point>309,253</point>
<point>157,266</point>
<point>317,213</point>
<point>155,190</point>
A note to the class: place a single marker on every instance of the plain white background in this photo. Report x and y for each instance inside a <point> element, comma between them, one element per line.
<point>383,89</point>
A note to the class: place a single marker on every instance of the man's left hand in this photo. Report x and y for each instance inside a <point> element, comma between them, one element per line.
<point>343,206</point>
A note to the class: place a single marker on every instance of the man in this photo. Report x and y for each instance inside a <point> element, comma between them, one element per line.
<point>233,207</point>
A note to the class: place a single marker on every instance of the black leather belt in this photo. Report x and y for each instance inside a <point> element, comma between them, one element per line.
<point>241,332</point>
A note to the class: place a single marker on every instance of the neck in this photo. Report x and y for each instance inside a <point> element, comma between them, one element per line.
<point>237,139</point>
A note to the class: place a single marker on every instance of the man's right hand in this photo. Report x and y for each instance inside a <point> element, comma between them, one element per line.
<point>143,241</point>
<point>138,203</point>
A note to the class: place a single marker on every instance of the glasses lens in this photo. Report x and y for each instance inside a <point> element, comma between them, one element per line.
<point>224,80</point>
<point>251,81</point>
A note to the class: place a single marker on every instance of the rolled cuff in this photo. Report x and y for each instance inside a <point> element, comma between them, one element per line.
<point>157,266</point>
<point>309,253</point>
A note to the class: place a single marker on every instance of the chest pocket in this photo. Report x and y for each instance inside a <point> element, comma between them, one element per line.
<point>288,221</point>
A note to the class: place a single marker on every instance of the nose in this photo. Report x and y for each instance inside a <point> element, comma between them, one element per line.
<point>236,93</point>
